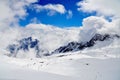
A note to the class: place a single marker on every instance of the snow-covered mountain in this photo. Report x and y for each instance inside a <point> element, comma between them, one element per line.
<point>37,40</point>
<point>76,46</point>
<point>95,31</point>
<point>92,50</point>
<point>48,38</point>
<point>27,44</point>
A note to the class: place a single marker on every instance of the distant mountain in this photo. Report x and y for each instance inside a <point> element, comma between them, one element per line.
<point>76,46</point>
<point>24,44</point>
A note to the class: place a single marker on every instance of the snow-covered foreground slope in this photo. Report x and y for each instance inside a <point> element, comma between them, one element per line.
<point>13,72</point>
<point>93,64</point>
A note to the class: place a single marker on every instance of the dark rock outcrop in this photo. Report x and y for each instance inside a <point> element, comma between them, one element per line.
<point>24,44</point>
<point>76,46</point>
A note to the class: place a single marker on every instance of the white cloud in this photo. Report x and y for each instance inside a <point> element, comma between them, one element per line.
<point>49,35</point>
<point>102,7</point>
<point>12,11</point>
<point>35,20</point>
<point>93,25</point>
<point>70,14</point>
<point>51,8</point>
<point>98,24</point>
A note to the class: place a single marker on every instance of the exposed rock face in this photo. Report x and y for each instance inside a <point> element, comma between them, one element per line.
<point>76,46</point>
<point>24,44</point>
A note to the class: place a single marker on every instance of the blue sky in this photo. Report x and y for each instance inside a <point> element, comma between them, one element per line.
<point>57,19</point>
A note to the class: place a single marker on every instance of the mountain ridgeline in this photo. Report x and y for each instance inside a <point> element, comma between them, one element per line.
<point>26,44</point>
<point>76,46</point>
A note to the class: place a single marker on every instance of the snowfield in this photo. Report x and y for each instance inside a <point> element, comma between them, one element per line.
<point>13,72</point>
<point>81,65</point>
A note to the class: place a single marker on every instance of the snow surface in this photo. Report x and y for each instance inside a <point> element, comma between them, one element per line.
<point>13,72</point>
<point>81,65</point>
<point>100,62</point>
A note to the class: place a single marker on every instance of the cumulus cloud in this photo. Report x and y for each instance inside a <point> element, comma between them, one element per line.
<point>98,24</point>
<point>51,8</point>
<point>12,11</point>
<point>90,27</point>
<point>48,35</point>
<point>93,25</point>
<point>113,27</point>
<point>102,7</point>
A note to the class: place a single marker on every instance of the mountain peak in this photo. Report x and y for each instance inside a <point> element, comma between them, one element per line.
<point>76,46</point>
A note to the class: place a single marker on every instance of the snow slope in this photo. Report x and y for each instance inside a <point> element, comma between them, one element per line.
<point>89,64</point>
<point>12,72</point>
<point>100,62</point>
<point>70,66</point>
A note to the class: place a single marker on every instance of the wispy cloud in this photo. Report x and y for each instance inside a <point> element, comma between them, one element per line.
<point>51,8</point>
<point>70,14</point>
